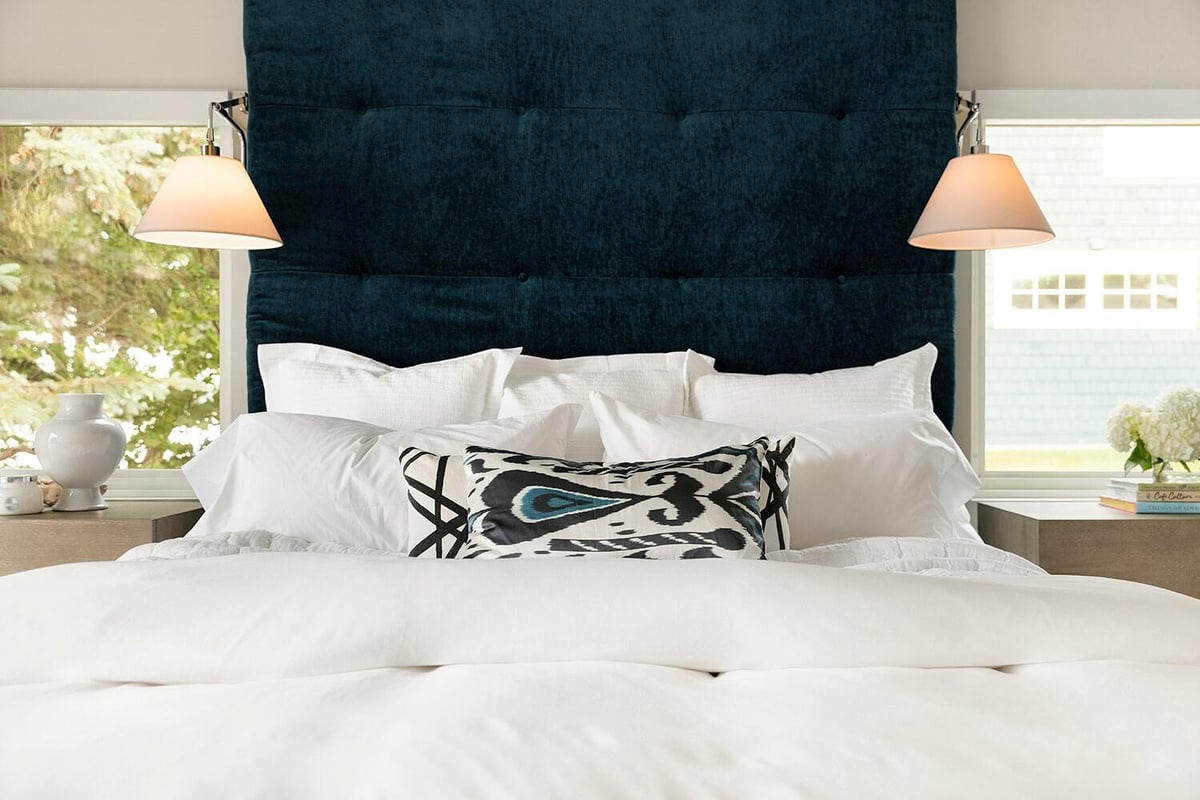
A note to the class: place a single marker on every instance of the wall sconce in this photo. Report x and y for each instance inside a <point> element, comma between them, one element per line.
<point>209,200</point>
<point>981,201</point>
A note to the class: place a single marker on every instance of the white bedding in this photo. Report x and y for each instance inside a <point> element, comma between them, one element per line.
<point>317,675</point>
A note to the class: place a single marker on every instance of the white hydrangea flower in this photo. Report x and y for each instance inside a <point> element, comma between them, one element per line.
<point>1165,441</point>
<point>1178,411</point>
<point>1125,424</point>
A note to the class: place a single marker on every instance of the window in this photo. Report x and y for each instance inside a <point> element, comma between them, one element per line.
<point>1093,290</point>
<point>84,306</point>
<point>1108,310</point>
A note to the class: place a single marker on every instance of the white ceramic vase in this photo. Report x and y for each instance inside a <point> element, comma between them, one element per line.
<point>80,448</point>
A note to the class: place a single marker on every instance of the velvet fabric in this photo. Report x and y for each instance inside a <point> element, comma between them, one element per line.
<point>583,177</point>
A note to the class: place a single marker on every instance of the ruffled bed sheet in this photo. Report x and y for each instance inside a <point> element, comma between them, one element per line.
<point>910,554</point>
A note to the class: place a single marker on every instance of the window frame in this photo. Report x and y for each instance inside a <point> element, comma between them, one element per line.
<point>1032,107</point>
<point>99,107</point>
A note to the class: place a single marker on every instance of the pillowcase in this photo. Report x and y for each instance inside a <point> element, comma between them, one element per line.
<point>898,474</point>
<point>334,480</point>
<point>653,380</point>
<point>300,378</point>
<point>786,401</point>
<point>704,506</point>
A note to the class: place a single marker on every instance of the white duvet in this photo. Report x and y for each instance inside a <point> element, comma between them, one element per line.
<point>317,675</point>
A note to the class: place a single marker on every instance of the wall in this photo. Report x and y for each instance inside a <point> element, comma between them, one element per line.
<point>1077,44</point>
<point>1003,44</point>
<point>122,44</point>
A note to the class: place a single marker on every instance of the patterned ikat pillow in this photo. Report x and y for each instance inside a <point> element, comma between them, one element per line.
<point>704,506</point>
<point>437,504</point>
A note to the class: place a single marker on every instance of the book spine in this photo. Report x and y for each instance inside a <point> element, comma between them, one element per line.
<point>1168,496</point>
<point>1147,507</point>
<point>1146,486</point>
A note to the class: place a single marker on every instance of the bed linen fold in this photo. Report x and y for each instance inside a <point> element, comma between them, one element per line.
<point>272,615</point>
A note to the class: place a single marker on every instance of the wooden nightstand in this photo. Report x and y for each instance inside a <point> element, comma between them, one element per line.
<point>39,540</point>
<point>1082,537</point>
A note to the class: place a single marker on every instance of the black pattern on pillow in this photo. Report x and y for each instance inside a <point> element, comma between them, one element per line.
<point>773,493</point>
<point>437,511</point>
<point>704,506</point>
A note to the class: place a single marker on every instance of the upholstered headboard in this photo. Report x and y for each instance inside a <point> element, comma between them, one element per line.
<point>601,176</point>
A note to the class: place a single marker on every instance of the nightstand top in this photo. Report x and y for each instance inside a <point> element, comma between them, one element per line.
<point>57,537</point>
<point>1075,509</point>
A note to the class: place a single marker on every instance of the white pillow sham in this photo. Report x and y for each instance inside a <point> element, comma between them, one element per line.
<point>897,474</point>
<point>302,378</point>
<point>658,381</point>
<point>327,479</point>
<point>784,401</point>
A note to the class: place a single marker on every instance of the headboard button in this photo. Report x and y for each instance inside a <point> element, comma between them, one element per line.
<point>840,114</point>
<point>841,279</point>
<point>520,110</point>
<point>522,276</point>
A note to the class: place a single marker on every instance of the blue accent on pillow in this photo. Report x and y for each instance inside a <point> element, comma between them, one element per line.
<point>586,177</point>
<point>540,503</point>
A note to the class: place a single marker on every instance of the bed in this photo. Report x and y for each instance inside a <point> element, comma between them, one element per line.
<point>565,282</point>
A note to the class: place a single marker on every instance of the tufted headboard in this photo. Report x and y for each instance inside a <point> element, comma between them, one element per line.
<point>602,176</point>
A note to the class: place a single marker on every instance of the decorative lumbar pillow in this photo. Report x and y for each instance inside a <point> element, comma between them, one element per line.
<point>704,506</point>
<point>301,378</point>
<point>658,381</point>
<point>631,434</point>
<point>787,401</point>
<point>437,503</point>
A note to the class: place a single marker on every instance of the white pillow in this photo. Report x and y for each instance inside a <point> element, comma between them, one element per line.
<point>657,381</point>
<point>784,401</point>
<point>335,480</point>
<point>897,474</point>
<point>300,378</point>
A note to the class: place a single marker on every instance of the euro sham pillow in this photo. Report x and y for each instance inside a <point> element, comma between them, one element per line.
<point>897,474</point>
<point>785,401</point>
<point>333,480</point>
<point>658,381</point>
<point>702,506</point>
<point>302,378</point>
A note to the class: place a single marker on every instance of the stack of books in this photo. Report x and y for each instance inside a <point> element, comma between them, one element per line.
<point>1145,496</point>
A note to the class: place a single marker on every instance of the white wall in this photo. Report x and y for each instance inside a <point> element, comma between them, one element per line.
<point>122,44</point>
<point>1003,44</point>
<point>1079,44</point>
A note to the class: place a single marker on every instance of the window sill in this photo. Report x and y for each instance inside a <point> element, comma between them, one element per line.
<point>1033,485</point>
<point>141,484</point>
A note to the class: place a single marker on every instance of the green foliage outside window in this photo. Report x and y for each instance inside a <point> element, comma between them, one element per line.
<point>84,307</point>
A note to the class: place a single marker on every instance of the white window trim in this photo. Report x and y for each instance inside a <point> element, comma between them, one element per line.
<point>1033,107</point>
<point>123,107</point>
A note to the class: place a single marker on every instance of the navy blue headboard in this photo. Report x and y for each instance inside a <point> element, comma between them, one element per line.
<point>601,176</point>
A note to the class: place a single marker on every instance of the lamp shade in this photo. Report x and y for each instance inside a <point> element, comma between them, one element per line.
<point>208,201</point>
<point>981,203</point>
